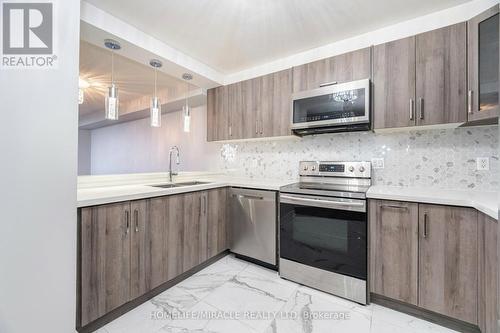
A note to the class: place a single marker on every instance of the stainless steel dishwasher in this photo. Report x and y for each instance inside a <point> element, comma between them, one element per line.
<point>253,219</point>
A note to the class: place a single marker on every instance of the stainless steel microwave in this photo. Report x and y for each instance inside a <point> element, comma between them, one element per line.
<point>333,108</point>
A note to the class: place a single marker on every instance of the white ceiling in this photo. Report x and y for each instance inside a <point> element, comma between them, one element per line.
<point>234,35</point>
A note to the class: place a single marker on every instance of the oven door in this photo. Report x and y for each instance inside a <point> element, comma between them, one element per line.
<point>326,233</point>
<point>339,104</point>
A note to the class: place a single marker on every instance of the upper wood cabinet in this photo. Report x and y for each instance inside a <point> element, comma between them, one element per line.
<point>448,264</point>
<point>421,80</point>
<point>346,67</point>
<point>394,250</point>
<point>394,84</point>
<point>254,108</point>
<point>441,74</point>
<point>483,62</point>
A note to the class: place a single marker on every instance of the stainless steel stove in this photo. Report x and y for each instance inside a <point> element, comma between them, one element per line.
<point>323,228</point>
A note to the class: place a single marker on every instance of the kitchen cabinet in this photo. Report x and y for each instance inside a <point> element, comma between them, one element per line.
<point>421,80</point>
<point>128,249</point>
<point>105,259</point>
<point>254,108</point>
<point>438,258</point>
<point>346,67</point>
<point>218,122</point>
<point>394,250</point>
<point>483,61</point>
<point>394,84</point>
<point>488,310</point>
<point>441,75</point>
<point>218,236</point>
<point>448,261</point>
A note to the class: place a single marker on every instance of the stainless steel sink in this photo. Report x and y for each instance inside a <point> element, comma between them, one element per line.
<point>182,184</point>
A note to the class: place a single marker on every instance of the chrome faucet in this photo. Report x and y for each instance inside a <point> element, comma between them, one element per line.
<point>177,161</point>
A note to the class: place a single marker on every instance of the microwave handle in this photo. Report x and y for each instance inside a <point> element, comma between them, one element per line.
<point>328,84</point>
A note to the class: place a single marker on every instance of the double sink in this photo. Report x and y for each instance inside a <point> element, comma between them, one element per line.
<point>182,184</point>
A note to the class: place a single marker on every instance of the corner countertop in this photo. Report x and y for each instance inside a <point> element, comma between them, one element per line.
<point>98,190</point>
<point>485,202</point>
<point>109,189</point>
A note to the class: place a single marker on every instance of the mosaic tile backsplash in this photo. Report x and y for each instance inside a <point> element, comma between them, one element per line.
<point>443,158</point>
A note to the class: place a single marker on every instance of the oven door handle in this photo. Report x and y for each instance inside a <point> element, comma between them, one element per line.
<point>329,203</point>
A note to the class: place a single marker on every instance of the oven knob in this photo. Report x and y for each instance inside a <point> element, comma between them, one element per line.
<point>305,168</point>
<point>361,169</point>
<point>351,168</point>
<point>313,168</point>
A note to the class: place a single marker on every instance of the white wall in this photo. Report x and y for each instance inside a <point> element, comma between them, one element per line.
<point>38,141</point>
<point>136,147</point>
<point>84,145</point>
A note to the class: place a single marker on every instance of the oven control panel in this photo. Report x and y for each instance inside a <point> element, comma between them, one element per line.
<point>336,169</point>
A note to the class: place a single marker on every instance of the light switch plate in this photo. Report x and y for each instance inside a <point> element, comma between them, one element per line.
<point>377,163</point>
<point>482,164</point>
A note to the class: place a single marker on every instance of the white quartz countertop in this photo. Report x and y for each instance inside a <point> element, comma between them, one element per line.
<point>98,195</point>
<point>98,190</point>
<point>485,202</point>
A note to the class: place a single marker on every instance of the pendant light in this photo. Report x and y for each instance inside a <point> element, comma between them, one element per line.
<point>112,102</point>
<point>82,85</point>
<point>155,111</point>
<point>186,111</point>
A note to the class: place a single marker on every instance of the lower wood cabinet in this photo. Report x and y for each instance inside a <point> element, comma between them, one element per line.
<point>128,249</point>
<point>394,250</point>
<point>439,258</point>
<point>448,261</point>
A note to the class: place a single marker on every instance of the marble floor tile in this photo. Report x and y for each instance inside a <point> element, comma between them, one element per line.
<point>232,296</point>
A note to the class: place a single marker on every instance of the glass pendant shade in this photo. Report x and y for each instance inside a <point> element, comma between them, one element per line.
<point>112,103</point>
<point>155,112</point>
<point>187,118</point>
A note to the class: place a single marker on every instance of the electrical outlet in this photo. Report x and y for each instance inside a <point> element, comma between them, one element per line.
<point>378,163</point>
<point>482,164</point>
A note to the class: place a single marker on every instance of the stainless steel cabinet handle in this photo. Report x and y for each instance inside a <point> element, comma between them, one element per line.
<point>136,217</point>
<point>256,127</point>
<point>252,197</point>
<point>328,84</point>
<point>394,207</point>
<point>127,222</point>
<point>469,102</point>
<point>204,205</point>
<point>421,108</point>
<point>230,130</point>
<point>425,225</point>
<point>261,127</point>
<point>412,108</point>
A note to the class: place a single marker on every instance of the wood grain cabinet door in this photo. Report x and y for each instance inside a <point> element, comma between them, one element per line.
<point>105,259</point>
<point>217,230</point>
<point>191,244</point>
<point>394,84</point>
<point>441,75</point>
<point>346,67</point>
<point>488,274</point>
<point>448,261</point>
<point>175,236</point>
<point>281,109</point>
<point>394,249</point>
<point>149,244</point>
<point>218,120</point>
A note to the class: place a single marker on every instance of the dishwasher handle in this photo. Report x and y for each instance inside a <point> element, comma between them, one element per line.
<point>246,196</point>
